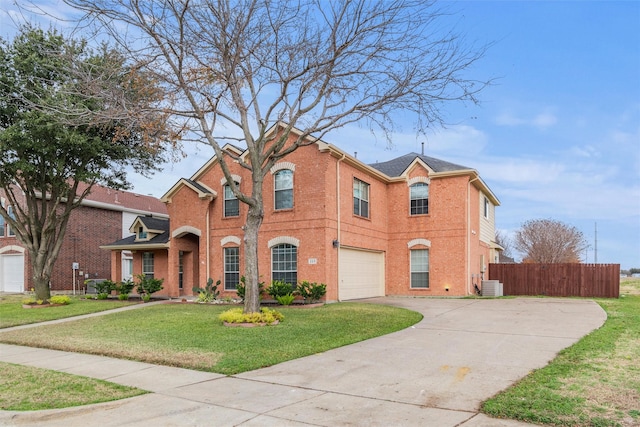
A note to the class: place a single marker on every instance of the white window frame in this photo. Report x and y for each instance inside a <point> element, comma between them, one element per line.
<point>411,198</point>
<point>412,271</point>
<point>289,249</point>
<point>486,207</point>
<point>362,198</point>
<point>12,215</point>
<point>228,198</point>
<point>231,286</point>
<point>287,189</point>
<point>148,260</point>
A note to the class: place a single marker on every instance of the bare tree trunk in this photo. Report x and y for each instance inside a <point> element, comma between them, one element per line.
<point>252,276</point>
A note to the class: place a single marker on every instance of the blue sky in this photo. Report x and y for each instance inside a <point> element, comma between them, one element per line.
<point>557,135</point>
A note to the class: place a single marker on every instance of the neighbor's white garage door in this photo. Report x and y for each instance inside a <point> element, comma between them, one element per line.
<point>12,273</point>
<point>361,274</point>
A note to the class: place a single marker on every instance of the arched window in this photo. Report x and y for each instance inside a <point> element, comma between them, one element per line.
<point>419,198</point>
<point>283,185</point>
<point>284,263</point>
<point>231,202</point>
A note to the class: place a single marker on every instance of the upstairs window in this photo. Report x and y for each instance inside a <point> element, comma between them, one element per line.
<point>419,198</point>
<point>1,226</point>
<point>12,215</point>
<point>360,198</point>
<point>142,235</point>
<point>283,183</point>
<point>486,207</point>
<point>231,203</point>
<point>284,263</point>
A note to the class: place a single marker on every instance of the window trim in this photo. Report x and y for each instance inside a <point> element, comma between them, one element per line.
<point>226,272</point>
<point>411,268</point>
<point>486,207</point>
<point>12,215</point>
<point>411,199</point>
<point>226,199</point>
<point>148,256</point>
<point>276,190</point>
<point>294,262</point>
<point>358,207</point>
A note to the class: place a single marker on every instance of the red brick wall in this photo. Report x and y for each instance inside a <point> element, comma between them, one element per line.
<point>88,229</point>
<point>313,221</point>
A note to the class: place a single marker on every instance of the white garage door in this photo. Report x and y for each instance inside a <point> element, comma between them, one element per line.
<point>12,273</point>
<point>361,274</point>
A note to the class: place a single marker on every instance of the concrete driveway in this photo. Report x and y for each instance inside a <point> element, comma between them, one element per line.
<point>435,373</point>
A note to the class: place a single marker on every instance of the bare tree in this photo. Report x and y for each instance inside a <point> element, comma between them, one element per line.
<point>503,240</point>
<point>237,68</point>
<point>549,241</point>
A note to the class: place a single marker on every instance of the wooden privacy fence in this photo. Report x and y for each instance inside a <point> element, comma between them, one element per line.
<point>561,280</point>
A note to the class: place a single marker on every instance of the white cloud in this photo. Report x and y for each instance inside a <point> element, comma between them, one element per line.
<point>542,121</point>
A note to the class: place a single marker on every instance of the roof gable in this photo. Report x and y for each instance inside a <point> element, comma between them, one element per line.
<point>398,166</point>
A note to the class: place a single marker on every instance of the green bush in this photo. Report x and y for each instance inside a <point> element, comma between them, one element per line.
<point>285,299</point>
<point>124,289</point>
<point>148,286</point>
<point>235,315</point>
<point>209,293</point>
<point>279,288</point>
<point>102,287</point>
<point>242,287</point>
<point>311,292</point>
<point>60,299</point>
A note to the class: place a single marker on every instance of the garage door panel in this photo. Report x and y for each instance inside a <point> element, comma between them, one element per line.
<point>361,274</point>
<point>12,273</point>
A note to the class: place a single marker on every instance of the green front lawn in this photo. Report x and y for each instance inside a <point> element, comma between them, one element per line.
<point>24,388</point>
<point>12,313</point>
<point>191,336</point>
<point>595,382</point>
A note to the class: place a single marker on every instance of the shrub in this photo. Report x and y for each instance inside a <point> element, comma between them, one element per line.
<point>148,286</point>
<point>285,299</point>
<point>124,289</point>
<point>60,299</point>
<point>102,287</point>
<point>265,315</point>
<point>311,292</point>
<point>242,287</point>
<point>209,293</point>
<point>279,288</point>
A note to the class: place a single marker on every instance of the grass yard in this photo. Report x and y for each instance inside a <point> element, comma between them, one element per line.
<point>12,313</point>
<point>595,382</point>
<point>191,336</point>
<point>24,388</point>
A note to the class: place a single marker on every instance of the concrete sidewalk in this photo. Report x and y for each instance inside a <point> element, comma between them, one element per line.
<point>435,373</point>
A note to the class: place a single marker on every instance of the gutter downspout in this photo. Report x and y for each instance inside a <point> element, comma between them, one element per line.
<point>208,239</point>
<point>338,220</point>
<point>468,266</point>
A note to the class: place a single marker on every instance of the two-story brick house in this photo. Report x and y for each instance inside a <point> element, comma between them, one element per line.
<point>104,215</point>
<point>414,225</point>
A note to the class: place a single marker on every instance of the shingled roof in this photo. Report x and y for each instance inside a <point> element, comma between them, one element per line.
<point>397,166</point>
<point>151,224</point>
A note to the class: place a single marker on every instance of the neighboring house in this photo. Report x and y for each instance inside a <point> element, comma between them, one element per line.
<point>103,216</point>
<point>413,225</point>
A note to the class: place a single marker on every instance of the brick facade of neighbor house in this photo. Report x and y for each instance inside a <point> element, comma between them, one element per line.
<point>358,244</point>
<point>104,216</point>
